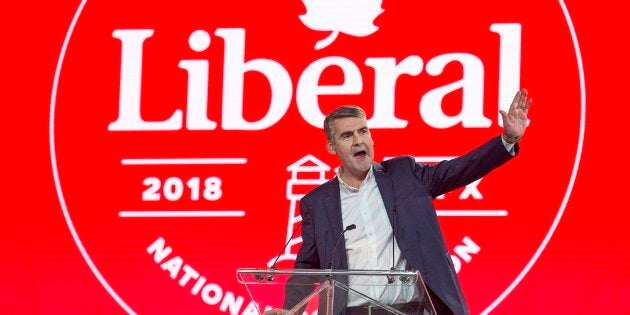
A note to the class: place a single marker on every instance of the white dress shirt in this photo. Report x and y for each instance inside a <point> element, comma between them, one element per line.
<point>369,245</point>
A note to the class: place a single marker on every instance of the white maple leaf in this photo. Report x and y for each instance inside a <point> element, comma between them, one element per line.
<point>353,17</point>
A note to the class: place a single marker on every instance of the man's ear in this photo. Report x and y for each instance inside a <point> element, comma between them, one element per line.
<point>330,147</point>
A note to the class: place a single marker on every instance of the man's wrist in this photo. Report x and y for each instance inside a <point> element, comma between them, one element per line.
<point>510,139</point>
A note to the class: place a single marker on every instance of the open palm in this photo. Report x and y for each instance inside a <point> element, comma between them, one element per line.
<point>515,120</point>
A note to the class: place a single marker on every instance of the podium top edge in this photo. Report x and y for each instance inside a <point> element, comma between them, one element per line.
<point>326,272</point>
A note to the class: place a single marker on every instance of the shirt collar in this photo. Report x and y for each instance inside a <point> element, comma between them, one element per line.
<point>349,188</point>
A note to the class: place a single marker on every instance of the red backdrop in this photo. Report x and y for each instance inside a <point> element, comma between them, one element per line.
<point>584,267</point>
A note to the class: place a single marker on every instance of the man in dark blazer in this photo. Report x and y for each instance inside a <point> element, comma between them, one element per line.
<point>398,206</point>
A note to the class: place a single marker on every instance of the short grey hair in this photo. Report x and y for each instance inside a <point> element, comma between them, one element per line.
<point>341,112</point>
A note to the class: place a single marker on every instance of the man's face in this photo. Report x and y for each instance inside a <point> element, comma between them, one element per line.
<point>353,145</point>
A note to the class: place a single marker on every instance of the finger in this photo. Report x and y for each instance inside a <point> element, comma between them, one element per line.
<point>515,104</point>
<point>525,110</point>
<point>523,98</point>
<point>516,100</point>
<point>525,107</point>
<point>504,116</point>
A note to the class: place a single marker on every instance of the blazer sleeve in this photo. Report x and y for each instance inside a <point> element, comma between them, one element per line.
<point>451,174</point>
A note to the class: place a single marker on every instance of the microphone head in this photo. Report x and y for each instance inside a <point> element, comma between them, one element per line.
<point>348,228</point>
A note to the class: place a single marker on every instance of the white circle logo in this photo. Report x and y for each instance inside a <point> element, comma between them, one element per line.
<point>183,136</point>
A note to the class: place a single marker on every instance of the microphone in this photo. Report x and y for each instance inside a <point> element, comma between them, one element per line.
<point>390,279</point>
<point>273,266</point>
<point>348,228</point>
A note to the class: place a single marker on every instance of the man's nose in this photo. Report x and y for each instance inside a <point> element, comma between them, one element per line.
<point>357,139</point>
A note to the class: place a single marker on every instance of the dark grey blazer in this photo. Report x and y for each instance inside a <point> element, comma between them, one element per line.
<point>411,188</point>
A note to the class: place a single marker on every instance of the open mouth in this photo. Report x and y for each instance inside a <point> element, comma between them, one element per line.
<point>360,154</point>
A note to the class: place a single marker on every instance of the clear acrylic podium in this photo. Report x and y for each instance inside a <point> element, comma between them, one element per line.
<point>329,291</point>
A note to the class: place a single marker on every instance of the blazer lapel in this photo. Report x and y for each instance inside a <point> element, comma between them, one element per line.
<point>333,211</point>
<point>386,188</point>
